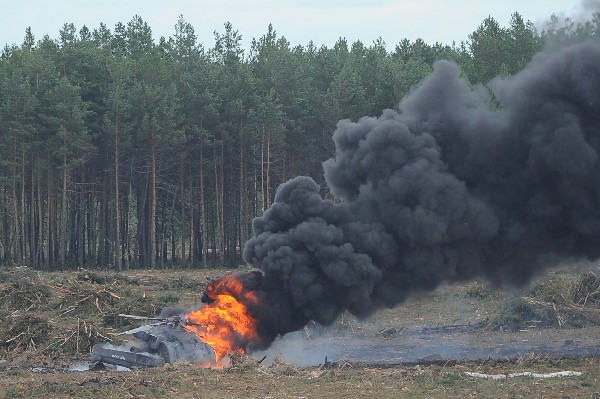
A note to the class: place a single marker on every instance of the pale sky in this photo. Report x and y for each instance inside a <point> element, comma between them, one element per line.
<point>322,21</point>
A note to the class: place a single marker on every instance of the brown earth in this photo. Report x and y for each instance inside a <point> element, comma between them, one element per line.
<point>421,349</point>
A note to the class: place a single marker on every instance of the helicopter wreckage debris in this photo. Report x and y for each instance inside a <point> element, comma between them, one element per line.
<point>154,345</point>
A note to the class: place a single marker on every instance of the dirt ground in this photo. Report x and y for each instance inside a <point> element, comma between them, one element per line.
<point>425,348</point>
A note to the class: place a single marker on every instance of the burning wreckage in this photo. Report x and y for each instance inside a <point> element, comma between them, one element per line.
<point>155,344</point>
<point>203,337</point>
<point>498,182</point>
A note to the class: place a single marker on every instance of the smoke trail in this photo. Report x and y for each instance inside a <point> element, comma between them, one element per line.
<point>461,183</point>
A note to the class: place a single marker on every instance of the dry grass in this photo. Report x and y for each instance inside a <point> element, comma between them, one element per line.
<point>53,319</point>
<point>58,314</point>
<point>559,300</point>
<point>286,381</point>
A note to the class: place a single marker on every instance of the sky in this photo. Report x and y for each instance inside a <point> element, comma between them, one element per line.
<point>300,21</point>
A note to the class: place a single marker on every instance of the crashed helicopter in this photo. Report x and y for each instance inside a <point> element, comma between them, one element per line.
<point>161,341</point>
<point>223,325</point>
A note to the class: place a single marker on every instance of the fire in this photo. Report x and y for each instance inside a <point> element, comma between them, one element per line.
<point>225,324</point>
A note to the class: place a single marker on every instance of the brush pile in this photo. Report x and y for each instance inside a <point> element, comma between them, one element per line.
<point>54,314</point>
<point>562,300</point>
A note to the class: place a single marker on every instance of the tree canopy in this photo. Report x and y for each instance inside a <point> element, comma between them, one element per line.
<point>118,151</point>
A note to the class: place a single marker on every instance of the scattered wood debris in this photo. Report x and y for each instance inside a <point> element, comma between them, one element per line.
<point>524,374</point>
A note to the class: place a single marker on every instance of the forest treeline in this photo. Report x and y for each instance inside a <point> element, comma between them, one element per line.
<point>118,151</point>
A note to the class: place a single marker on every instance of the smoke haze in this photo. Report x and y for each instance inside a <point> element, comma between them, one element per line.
<point>463,182</point>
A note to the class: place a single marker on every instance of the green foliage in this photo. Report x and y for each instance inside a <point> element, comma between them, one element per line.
<point>182,283</point>
<point>499,51</point>
<point>13,392</point>
<point>21,289</point>
<point>168,299</point>
<point>517,313</point>
<point>479,291</point>
<point>185,146</point>
<point>24,331</point>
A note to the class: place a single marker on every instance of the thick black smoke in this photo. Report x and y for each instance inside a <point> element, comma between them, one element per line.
<point>461,183</point>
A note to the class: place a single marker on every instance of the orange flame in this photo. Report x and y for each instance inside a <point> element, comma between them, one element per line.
<point>225,324</point>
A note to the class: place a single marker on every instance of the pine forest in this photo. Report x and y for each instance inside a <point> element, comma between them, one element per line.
<point>120,151</point>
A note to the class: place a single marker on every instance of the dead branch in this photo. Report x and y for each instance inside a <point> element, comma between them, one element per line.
<point>15,337</point>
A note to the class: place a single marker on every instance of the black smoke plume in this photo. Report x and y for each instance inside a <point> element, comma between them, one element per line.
<point>465,181</point>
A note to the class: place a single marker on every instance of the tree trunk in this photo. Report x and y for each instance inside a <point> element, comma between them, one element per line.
<point>103,223</point>
<point>40,224</point>
<point>117,222</point>
<point>192,242</point>
<point>32,220</point>
<point>129,211</point>
<point>268,195</point>
<point>22,210</point>
<point>243,196</point>
<point>80,222</point>
<point>63,218</point>
<point>152,214</point>
<point>182,201</point>
<point>109,250</point>
<point>168,227</point>
<point>6,229</point>
<point>162,249</point>
<point>142,221</point>
<point>217,234</point>
<point>203,232</point>
<point>51,219</point>
<point>93,224</point>
<point>222,210</point>
<point>16,223</point>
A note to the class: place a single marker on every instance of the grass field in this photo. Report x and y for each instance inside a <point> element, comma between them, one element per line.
<point>413,351</point>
